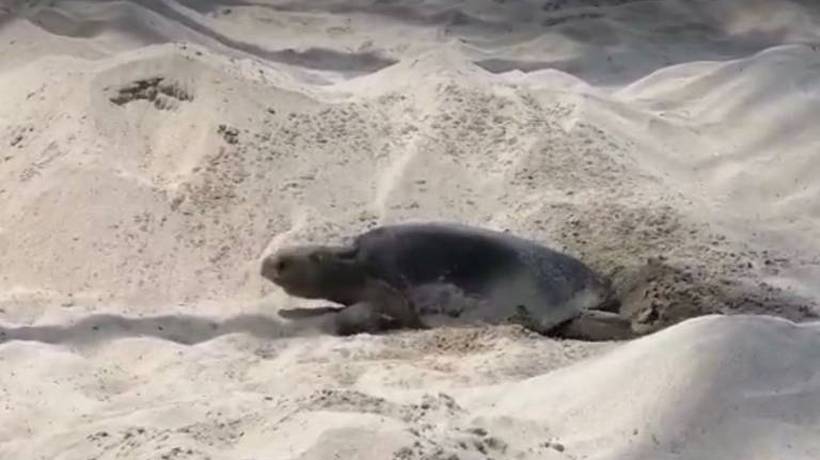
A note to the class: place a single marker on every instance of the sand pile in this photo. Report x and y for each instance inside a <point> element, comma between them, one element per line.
<point>713,387</point>
<point>151,152</point>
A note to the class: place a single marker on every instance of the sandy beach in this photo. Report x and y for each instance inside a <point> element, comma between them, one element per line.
<point>153,152</point>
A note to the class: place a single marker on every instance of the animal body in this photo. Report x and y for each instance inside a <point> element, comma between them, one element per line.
<point>394,276</point>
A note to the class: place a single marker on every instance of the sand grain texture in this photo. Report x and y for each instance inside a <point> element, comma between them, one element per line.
<point>152,152</point>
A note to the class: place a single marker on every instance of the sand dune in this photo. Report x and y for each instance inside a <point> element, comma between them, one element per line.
<point>152,152</point>
<point>741,387</point>
<point>737,400</point>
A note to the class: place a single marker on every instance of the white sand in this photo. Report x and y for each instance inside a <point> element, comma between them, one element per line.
<point>134,323</point>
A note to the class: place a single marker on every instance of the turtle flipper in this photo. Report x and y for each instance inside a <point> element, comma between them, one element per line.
<point>385,308</point>
<point>362,317</point>
<point>302,313</point>
<point>393,304</point>
<point>596,325</point>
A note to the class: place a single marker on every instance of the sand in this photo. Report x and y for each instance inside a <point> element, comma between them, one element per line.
<point>152,152</point>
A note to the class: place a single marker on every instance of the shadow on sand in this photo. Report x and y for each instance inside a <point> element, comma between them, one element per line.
<point>183,329</point>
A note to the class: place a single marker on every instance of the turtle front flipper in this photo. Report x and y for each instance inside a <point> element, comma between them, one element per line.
<point>391,303</point>
<point>362,318</point>
<point>302,313</point>
<point>383,308</point>
<point>595,325</point>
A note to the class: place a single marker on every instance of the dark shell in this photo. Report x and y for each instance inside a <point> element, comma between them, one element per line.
<point>506,276</point>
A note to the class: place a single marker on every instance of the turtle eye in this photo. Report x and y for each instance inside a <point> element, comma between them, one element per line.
<point>281,265</point>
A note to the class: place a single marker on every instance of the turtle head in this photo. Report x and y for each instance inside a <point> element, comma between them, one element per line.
<point>312,272</point>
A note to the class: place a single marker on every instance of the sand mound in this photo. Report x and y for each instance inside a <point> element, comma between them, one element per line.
<point>152,152</point>
<point>739,387</point>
